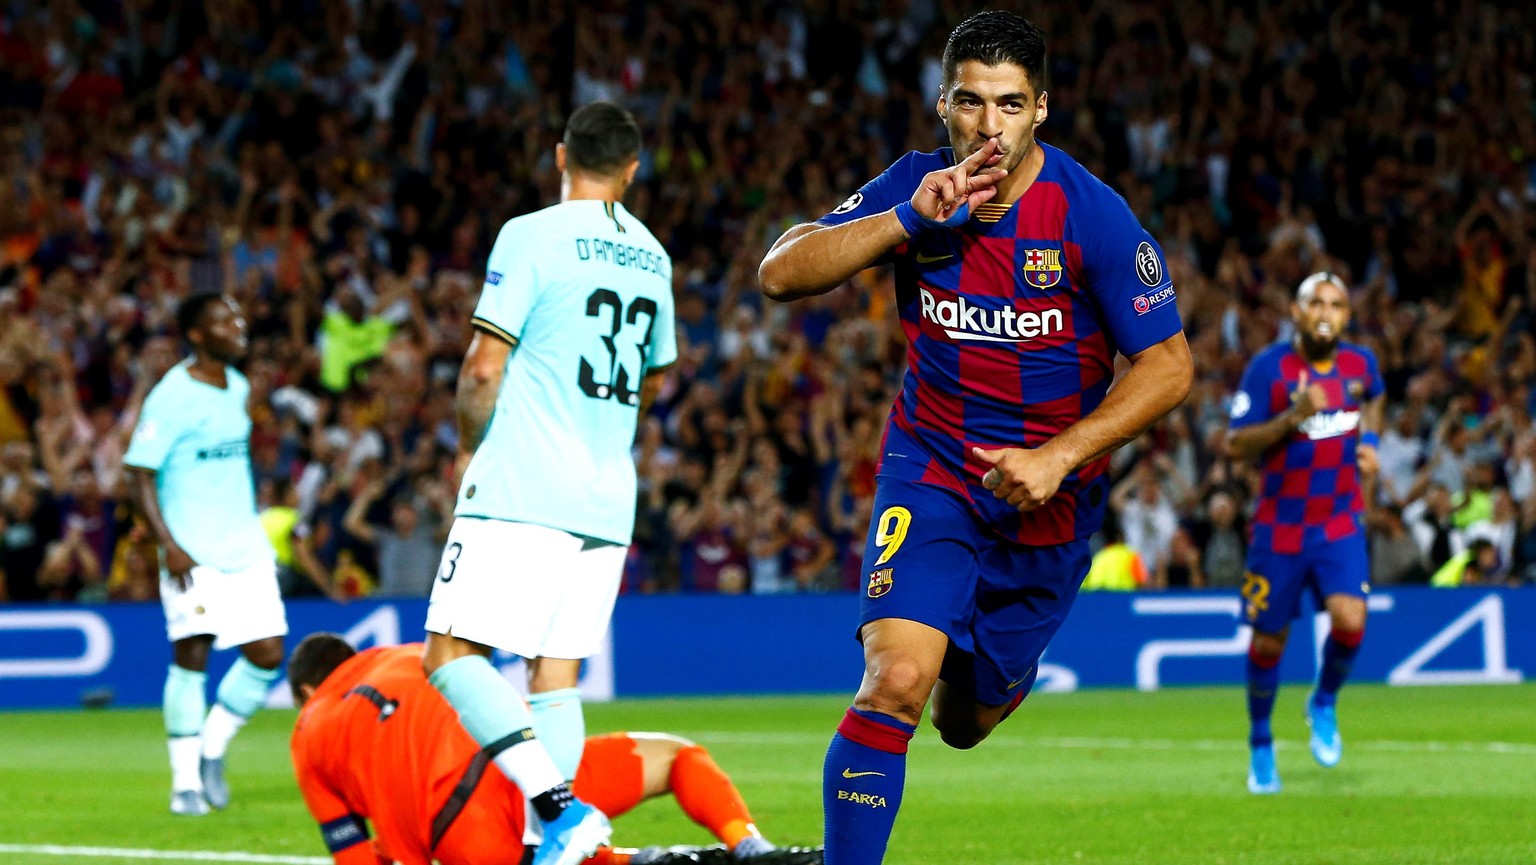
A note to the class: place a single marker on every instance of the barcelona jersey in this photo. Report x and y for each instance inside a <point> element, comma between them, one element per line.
<point>1311,488</point>
<point>1012,322</point>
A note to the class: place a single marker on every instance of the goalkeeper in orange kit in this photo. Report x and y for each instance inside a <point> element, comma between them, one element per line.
<point>376,742</point>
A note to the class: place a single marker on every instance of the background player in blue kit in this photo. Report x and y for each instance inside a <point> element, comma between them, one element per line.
<point>1311,409</point>
<point>189,472</point>
<point>1019,276</point>
<point>573,329</point>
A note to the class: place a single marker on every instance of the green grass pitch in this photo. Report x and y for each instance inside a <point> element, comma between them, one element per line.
<point>1430,776</point>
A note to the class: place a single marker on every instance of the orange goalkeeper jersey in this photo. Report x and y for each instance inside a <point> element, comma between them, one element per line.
<point>376,741</point>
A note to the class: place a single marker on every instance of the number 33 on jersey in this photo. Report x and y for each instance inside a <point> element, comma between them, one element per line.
<point>583,292</point>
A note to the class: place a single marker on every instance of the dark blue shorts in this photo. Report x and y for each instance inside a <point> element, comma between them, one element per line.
<point>928,559</point>
<point>1272,589</point>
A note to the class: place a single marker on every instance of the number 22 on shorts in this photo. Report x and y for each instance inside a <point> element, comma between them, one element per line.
<point>890,531</point>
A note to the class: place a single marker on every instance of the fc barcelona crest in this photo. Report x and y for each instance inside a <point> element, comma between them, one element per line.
<point>1042,267</point>
<point>880,582</point>
<point>1355,388</point>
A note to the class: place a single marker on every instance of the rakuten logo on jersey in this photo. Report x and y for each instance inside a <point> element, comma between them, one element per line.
<point>1330,424</point>
<point>961,320</point>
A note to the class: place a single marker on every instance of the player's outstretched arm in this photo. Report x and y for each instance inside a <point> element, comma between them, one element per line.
<point>146,498</point>
<point>1159,379</point>
<point>812,259</point>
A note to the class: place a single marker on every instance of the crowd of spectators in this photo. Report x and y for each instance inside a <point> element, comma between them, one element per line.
<point>342,168</point>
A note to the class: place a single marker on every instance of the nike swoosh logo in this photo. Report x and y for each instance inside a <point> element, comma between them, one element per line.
<point>929,259</point>
<point>1015,683</point>
<point>849,773</point>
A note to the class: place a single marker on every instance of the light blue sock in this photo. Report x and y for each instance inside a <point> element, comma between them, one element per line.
<point>244,688</point>
<point>498,719</point>
<point>185,701</point>
<point>560,724</point>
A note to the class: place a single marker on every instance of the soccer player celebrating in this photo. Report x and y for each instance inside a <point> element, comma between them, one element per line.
<point>1311,409</point>
<point>375,742</point>
<point>189,473</point>
<point>1019,276</point>
<point>573,328</point>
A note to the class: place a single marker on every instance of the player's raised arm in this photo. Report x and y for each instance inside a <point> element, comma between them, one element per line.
<point>814,258</point>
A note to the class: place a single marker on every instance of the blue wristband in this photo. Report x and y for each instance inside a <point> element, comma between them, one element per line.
<point>1370,440</point>
<point>915,223</point>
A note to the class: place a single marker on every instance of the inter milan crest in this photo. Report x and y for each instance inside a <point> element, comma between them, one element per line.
<point>1042,267</point>
<point>880,582</point>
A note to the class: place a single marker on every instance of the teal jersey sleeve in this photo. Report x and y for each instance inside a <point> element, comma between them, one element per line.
<point>511,283</point>
<point>662,351</point>
<point>155,434</point>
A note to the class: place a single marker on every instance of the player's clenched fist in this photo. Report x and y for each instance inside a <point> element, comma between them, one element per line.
<point>1308,399</point>
<point>945,197</point>
<point>1022,477</point>
<point>1367,460</point>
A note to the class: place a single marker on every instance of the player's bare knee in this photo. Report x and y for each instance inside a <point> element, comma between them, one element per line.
<point>1267,645</point>
<point>1349,618</point>
<point>897,686</point>
<point>266,654</point>
<point>191,653</point>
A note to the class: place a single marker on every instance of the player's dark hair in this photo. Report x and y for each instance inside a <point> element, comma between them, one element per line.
<point>315,658</point>
<point>996,37</point>
<point>601,138</point>
<point>190,314</point>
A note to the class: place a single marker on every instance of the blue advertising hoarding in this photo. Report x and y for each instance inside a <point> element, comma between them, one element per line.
<point>62,656</point>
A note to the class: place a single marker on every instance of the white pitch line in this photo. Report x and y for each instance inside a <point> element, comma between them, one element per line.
<point>1237,743</point>
<point>163,855</point>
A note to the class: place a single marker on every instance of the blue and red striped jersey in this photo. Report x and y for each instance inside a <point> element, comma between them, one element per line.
<point>1311,487</point>
<point>1012,323</point>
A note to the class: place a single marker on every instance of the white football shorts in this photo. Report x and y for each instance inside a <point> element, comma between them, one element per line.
<point>530,590</point>
<point>236,608</point>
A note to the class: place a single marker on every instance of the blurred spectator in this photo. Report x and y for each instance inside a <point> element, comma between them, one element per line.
<point>1478,564</point>
<point>1396,557</point>
<point>1116,566</point>
<point>299,570</point>
<point>28,523</point>
<point>1431,520</point>
<point>1221,541</point>
<point>1148,517</point>
<point>409,547</point>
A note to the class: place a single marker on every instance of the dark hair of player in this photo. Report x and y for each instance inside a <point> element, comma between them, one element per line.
<point>189,315</point>
<point>601,138</point>
<point>995,37</point>
<point>316,658</point>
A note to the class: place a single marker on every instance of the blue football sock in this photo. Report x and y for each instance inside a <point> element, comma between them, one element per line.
<point>498,719</point>
<point>862,781</point>
<point>1339,652</point>
<point>559,723</point>
<point>185,701</point>
<point>1263,680</point>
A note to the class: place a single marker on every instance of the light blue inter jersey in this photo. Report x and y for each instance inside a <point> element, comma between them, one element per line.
<point>196,438</point>
<point>584,293</point>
